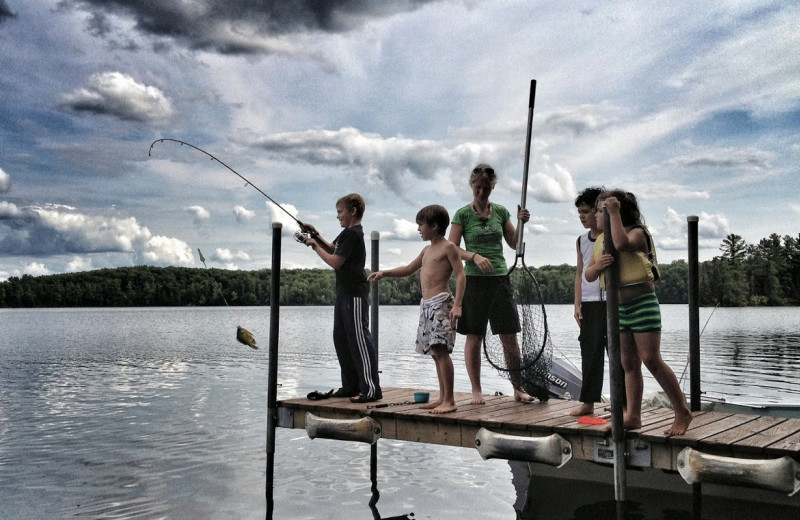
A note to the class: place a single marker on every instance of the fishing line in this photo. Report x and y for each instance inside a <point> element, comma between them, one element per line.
<point>243,335</point>
<point>686,366</point>
<point>245,179</point>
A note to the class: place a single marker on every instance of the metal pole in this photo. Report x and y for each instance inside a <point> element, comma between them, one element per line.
<point>694,316</point>
<point>374,296</point>
<point>694,339</point>
<point>272,378</point>
<point>616,374</point>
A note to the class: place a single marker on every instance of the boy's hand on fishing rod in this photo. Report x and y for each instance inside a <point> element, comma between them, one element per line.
<point>523,214</point>
<point>308,228</point>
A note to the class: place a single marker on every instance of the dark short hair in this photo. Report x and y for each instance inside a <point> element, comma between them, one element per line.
<point>353,200</point>
<point>589,196</point>
<point>434,215</point>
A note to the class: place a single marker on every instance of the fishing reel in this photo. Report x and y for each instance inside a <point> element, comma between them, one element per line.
<point>301,237</point>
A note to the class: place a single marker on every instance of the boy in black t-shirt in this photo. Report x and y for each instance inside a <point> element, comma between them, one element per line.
<point>347,254</point>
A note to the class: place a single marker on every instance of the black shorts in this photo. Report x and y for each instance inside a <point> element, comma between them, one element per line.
<point>488,299</point>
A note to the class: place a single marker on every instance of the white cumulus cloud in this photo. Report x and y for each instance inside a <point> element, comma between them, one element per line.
<point>36,269</point>
<point>59,229</point>
<point>405,230</point>
<point>243,214</point>
<point>5,181</point>
<point>119,95</point>
<point>79,264</point>
<point>198,213</point>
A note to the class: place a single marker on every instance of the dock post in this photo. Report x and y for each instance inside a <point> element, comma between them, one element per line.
<point>374,296</point>
<point>694,338</point>
<point>694,315</point>
<point>616,374</point>
<point>272,377</point>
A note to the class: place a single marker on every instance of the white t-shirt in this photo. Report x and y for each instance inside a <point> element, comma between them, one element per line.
<point>590,291</point>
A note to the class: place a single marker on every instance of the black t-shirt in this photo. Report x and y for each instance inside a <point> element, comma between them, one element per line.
<point>351,280</point>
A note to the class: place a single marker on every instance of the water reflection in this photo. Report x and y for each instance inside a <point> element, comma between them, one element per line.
<point>373,500</point>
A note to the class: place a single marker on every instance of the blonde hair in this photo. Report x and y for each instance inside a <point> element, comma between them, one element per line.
<point>353,200</point>
<point>480,170</point>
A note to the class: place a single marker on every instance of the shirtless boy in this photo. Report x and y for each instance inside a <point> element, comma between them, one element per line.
<point>439,310</point>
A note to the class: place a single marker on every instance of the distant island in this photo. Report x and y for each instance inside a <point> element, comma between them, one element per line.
<point>767,274</point>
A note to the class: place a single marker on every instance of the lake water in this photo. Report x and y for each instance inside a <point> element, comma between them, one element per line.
<point>160,413</point>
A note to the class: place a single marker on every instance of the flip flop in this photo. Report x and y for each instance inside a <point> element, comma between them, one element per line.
<point>587,419</point>
<point>316,396</point>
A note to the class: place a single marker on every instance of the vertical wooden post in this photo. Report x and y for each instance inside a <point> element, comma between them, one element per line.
<point>374,296</point>
<point>694,338</point>
<point>272,377</point>
<point>694,315</point>
<point>616,374</point>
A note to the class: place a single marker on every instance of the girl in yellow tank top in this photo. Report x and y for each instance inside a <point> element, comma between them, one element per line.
<point>639,311</point>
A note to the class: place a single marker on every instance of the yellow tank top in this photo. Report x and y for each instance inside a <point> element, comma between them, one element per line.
<point>634,267</point>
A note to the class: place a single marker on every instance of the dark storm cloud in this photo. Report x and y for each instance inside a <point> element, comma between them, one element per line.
<point>5,11</point>
<point>239,26</point>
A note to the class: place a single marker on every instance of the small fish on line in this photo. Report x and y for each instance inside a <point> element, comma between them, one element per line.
<point>245,337</point>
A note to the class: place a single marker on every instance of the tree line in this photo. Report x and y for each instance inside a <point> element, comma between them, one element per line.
<point>763,274</point>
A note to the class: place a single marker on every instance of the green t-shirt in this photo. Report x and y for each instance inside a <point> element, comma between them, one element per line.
<point>485,237</point>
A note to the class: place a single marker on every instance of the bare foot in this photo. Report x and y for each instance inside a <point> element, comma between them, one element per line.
<point>631,423</point>
<point>521,395</point>
<point>584,409</point>
<point>477,398</point>
<point>428,406</point>
<point>445,408</point>
<point>680,424</point>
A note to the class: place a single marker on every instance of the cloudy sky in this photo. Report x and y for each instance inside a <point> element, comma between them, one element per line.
<point>695,109</point>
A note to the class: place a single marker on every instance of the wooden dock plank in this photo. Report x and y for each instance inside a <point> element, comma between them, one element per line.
<point>790,444</point>
<point>737,436</point>
<point>770,438</point>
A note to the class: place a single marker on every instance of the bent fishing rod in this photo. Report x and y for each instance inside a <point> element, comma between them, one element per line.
<point>303,227</point>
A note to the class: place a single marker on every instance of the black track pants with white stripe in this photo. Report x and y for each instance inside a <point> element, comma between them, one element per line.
<point>358,359</point>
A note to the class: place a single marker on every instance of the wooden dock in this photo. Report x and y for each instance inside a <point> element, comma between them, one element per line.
<point>741,436</point>
<point>734,435</point>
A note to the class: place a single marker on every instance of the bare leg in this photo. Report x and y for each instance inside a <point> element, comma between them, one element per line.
<point>513,359</point>
<point>444,369</point>
<point>649,347</point>
<point>433,404</point>
<point>634,384</point>
<point>472,357</point>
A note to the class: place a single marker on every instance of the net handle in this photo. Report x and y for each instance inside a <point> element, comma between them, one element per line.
<point>523,198</point>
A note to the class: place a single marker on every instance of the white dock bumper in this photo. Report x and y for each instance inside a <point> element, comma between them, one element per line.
<point>772,474</point>
<point>553,450</point>
<point>365,429</point>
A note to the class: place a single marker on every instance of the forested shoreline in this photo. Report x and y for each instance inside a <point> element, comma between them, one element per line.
<point>766,274</point>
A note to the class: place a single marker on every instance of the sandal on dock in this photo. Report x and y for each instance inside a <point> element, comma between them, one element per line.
<point>316,396</point>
